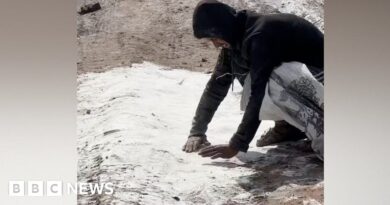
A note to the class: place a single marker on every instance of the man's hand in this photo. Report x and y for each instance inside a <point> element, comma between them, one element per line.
<point>194,143</point>
<point>218,151</point>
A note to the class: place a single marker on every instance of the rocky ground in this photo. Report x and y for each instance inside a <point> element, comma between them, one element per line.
<point>123,32</point>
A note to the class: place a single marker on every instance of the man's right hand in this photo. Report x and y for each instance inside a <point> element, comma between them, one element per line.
<point>194,143</point>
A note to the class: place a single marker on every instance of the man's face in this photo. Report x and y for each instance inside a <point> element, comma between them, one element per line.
<point>219,43</point>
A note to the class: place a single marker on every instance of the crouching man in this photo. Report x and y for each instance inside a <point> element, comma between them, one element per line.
<point>278,59</point>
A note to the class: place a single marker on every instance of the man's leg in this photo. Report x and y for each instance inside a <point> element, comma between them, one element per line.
<point>280,133</point>
<point>293,94</point>
<point>283,131</point>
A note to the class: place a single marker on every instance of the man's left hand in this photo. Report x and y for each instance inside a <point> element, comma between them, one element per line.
<point>218,151</point>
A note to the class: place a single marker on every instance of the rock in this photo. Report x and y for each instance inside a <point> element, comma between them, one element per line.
<point>176,198</point>
<point>89,8</point>
<point>111,131</point>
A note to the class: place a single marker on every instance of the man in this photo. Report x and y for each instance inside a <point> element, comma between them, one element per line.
<point>253,46</point>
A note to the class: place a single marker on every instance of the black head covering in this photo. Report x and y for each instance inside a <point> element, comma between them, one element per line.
<point>215,19</point>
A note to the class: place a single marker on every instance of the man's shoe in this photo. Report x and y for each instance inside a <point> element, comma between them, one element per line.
<point>280,133</point>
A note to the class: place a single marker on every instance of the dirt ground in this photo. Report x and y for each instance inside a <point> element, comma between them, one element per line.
<point>160,31</point>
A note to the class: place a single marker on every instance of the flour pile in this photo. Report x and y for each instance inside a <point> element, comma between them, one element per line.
<point>132,123</point>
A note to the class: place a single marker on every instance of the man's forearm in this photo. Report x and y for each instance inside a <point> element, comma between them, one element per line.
<point>245,132</point>
<point>211,98</point>
<point>214,93</point>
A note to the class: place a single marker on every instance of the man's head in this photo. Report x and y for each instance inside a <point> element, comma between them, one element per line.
<point>215,21</point>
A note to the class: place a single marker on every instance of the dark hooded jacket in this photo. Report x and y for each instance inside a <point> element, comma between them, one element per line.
<point>259,43</point>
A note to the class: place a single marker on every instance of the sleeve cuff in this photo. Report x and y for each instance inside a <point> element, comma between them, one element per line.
<point>235,143</point>
<point>197,135</point>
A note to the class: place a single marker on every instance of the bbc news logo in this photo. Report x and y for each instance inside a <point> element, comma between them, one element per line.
<point>57,188</point>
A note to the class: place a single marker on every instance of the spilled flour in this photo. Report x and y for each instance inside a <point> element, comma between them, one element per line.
<point>132,123</point>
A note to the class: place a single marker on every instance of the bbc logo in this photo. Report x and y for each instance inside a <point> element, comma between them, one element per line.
<point>35,188</point>
<point>56,188</point>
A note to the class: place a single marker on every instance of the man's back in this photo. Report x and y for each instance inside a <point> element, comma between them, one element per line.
<point>289,37</point>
